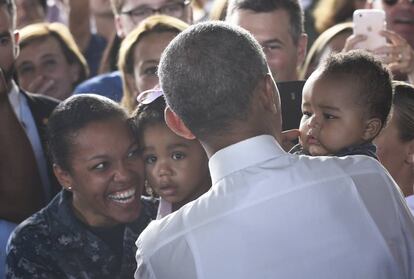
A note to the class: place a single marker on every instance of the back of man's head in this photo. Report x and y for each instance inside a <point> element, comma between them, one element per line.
<point>209,74</point>
<point>10,8</point>
<point>292,7</point>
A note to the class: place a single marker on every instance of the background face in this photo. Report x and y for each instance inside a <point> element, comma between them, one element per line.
<point>126,23</point>
<point>42,68</point>
<point>400,19</point>
<point>271,30</point>
<point>147,55</point>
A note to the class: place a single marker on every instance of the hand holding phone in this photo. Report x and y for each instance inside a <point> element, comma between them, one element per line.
<point>369,22</point>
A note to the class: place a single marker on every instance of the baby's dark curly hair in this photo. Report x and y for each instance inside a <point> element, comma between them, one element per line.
<point>370,78</point>
<point>147,114</point>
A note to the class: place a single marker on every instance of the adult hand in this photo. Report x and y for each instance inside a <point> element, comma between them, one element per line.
<point>397,54</point>
<point>351,42</point>
<point>40,85</point>
<point>288,138</point>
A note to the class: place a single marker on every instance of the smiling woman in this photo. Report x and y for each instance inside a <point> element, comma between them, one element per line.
<point>89,229</point>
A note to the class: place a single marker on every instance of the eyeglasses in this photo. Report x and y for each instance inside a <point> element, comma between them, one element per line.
<point>175,9</point>
<point>393,2</point>
<point>149,96</point>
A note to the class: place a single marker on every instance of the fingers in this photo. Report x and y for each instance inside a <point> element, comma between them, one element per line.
<point>398,54</point>
<point>40,85</point>
<point>393,37</point>
<point>352,42</point>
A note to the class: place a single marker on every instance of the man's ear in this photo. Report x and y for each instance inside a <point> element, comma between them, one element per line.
<point>64,178</point>
<point>302,47</point>
<point>16,50</point>
<point>270,95</point>
<point>372,128</point>
<point>175,123</point>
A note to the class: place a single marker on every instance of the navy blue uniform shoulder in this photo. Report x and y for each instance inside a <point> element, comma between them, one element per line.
<point>54,243</point>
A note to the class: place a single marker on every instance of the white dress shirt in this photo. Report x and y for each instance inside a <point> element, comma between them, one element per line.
<point>270,214</point>
<point>164,208</point>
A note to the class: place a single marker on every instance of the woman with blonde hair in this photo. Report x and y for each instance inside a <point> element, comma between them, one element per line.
<point>50,62</point>
<point>140,53</point>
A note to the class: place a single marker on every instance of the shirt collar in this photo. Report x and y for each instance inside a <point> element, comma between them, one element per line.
<point>14,99</point>
<point>242,155</point>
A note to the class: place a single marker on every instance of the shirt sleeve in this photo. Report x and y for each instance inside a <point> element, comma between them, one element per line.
<point>406,221</point>
<point>144,270</point>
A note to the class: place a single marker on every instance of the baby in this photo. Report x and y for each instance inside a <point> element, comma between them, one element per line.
<point>345,104</point>
<point>176,168</point>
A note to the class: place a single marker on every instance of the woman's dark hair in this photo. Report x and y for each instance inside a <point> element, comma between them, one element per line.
<point>73,114</point>
<point>147,114</point>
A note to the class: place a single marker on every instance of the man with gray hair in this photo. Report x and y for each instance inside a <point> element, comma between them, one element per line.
<point>269,214</point>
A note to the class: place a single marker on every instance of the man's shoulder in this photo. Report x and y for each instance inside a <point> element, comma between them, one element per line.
<point>30,233</point>
<point>332,166</point>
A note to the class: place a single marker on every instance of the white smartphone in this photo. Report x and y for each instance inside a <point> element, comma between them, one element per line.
<point>370,22</point>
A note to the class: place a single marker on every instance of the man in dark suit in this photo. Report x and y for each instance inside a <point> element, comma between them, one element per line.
<point>25,175</point>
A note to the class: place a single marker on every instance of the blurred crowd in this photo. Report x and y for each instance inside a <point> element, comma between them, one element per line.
<point>115,113</point>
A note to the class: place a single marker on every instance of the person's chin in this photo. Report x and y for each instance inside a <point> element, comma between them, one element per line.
<point>317,151</point>
<point>124,210</point>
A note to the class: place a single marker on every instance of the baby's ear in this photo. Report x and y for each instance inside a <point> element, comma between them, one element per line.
<point>372,128</point>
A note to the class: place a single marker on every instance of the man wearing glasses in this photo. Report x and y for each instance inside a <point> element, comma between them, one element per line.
<point>128,15</point>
